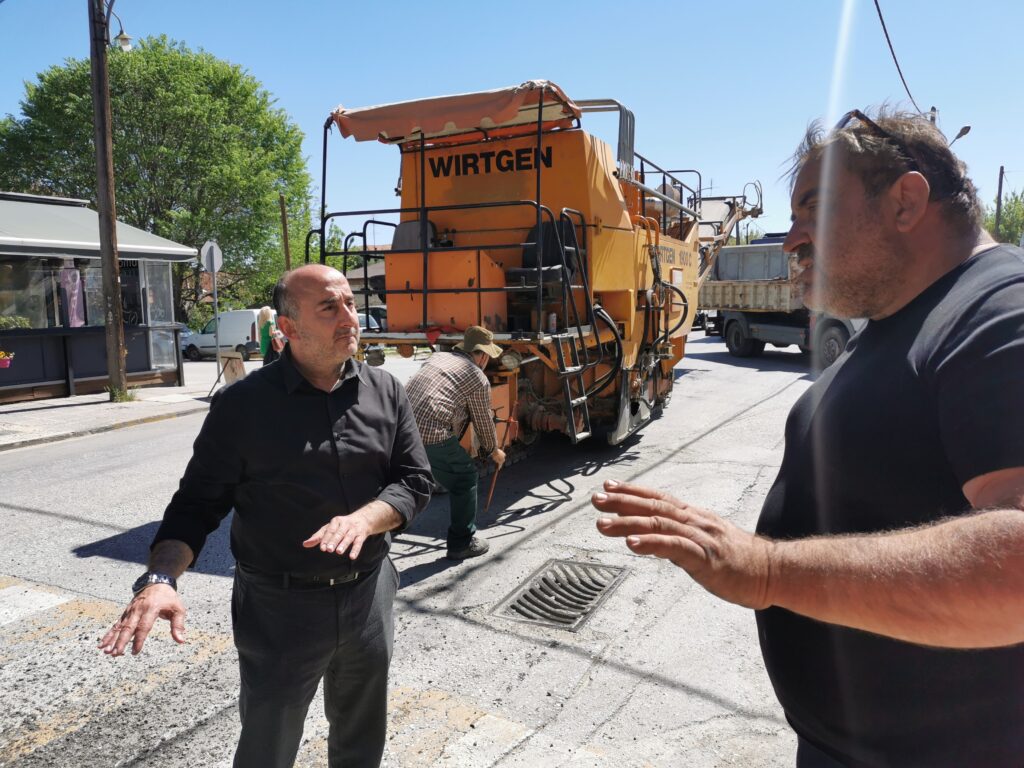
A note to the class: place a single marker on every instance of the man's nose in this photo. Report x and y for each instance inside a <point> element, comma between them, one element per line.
<point>350,316</point>
<point>796,237</point>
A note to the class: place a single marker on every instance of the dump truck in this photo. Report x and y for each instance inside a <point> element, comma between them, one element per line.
<point>584,262</point>
<point>752,299</point>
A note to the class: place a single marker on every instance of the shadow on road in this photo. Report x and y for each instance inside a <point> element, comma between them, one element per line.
<point>132,546</point>
<point>544,472</point>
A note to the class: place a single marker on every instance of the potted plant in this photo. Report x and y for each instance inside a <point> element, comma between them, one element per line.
<point>6,358</point>
<point>13,322</point>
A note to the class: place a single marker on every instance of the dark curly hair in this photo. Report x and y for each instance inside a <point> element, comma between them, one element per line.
<point>879,151</point>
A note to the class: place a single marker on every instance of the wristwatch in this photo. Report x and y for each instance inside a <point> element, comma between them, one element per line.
<point>152,577</point>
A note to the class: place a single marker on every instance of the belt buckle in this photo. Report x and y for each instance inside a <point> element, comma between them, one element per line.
<point>341,579</point>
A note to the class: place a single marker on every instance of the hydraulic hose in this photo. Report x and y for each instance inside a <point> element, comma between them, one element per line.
<point>602,385</point>
<point>686,310</point>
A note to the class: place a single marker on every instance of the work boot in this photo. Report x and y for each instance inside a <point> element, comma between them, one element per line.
<point>474,548</point>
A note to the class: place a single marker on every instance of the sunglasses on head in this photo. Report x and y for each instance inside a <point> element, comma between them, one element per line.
<point>881,133</point>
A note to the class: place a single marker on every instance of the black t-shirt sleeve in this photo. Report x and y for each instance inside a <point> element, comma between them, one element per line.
<point>978,384</point>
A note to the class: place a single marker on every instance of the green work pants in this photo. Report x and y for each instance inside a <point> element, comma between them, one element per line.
<point>457,474</point>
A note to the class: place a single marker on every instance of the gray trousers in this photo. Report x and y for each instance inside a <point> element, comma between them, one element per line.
<point>290,639</point>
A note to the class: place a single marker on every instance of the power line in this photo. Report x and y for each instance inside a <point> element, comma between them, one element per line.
<point>895,60</point>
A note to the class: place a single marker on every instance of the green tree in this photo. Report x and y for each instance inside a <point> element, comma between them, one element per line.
<point>200,153</point>
<point>1011,222</point>
<point>751,232</point>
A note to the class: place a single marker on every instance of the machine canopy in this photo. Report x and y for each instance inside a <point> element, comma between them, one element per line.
<point>505,111</point>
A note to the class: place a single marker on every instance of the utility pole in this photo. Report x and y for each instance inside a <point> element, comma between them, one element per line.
<point>284,233</point>
<point>113,316</point>
<point>999,203</point>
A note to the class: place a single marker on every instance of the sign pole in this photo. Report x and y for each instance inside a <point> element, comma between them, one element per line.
<point>212,260</point>
<point>216,325</point>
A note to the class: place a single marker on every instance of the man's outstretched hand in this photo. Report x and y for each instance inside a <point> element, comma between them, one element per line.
<point>156,601</point>
<point>725,560</point>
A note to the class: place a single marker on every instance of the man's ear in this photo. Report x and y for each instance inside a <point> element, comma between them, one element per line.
<point>287,326</point>
<point>909,195</point>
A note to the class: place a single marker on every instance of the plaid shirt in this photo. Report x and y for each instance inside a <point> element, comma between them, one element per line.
<point>446,392</point>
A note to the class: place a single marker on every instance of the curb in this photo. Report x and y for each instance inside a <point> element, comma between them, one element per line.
<point>99,430</point>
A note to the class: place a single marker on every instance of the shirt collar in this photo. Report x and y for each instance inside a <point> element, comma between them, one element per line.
<point>293,378</point>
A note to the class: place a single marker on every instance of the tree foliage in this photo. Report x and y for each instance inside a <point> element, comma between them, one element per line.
<point>200,153</point>
<point>1011,220</point>
<point>751,232</point>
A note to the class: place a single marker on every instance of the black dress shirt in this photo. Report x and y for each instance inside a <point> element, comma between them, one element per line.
<point>288,457</point>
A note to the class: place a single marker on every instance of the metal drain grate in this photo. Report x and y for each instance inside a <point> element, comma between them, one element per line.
<point>561,593</point>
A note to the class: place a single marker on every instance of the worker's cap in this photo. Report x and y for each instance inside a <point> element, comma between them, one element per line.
<point>479,339</point>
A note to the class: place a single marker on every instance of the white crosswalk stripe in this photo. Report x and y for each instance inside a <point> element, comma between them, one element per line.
<point>19,601</point>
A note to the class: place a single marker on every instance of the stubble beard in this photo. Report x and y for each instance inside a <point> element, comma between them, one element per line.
<point>333,355</point>
<point>863,292</point>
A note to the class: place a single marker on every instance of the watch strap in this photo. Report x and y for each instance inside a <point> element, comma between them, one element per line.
<point>149,578</point>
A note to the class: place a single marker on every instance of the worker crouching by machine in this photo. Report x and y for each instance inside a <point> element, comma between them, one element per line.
<point>448,393</point>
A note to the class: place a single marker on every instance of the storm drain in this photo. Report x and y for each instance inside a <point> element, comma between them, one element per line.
<point>561,593</point>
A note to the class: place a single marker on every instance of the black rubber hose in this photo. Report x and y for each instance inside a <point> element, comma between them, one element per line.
<point>602,385</point>
<point>648,309</point>
<point>686,310</point>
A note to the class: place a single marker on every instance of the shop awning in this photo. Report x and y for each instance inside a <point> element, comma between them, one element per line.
<point>512,109</point>
<point>38,226</point>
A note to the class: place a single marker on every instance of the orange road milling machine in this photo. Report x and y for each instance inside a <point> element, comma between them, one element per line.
<point>585,264</point>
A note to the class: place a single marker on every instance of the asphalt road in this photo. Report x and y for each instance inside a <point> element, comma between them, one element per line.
<point>661,675</point>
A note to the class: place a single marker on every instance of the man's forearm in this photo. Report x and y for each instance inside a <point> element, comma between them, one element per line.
<point>379,516</point>
<point>956,584</point>
<point>171,557</point>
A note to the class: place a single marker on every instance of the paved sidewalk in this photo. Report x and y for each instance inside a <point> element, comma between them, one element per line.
<point>44,421</point>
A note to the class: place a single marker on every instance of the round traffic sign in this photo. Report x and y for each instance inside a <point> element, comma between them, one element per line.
<point>211,256</point>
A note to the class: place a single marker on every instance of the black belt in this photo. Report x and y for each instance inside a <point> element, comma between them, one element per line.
<point>298,580</point>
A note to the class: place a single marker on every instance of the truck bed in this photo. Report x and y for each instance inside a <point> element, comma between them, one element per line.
<point>750,296</point>
<point>752,278</point>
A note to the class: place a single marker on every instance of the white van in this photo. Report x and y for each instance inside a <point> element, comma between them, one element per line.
<point>238,331</point>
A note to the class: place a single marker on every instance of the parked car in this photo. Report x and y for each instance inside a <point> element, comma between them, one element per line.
<point>238,332</point>
<point>380,314</point>
<point>187,334</point>
<point>368,323</point>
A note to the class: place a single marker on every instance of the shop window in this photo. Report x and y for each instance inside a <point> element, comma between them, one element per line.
<point>131,293</point>
<point>27,296</point>
<point>162,349</point>
<point>159,297</point>
<point>92,280</point>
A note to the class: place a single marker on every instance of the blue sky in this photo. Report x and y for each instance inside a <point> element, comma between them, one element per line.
<point>727,88</point>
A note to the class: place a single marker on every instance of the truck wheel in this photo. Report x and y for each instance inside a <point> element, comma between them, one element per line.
<point>192,353</point>
<point>739,343</point>
<point>243,351</point>
<point>831,343</point>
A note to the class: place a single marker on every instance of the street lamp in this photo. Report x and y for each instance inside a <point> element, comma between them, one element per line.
<point>124,42</point>
<point>99,40</point>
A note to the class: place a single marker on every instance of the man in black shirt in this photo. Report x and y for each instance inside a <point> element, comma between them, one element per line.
<point>320,458</point>
<point>888,566</point>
